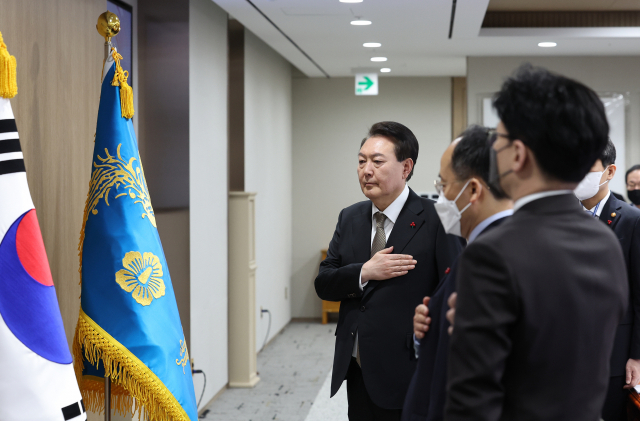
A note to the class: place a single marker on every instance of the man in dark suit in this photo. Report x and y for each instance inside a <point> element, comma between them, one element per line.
<point>624,220</point>
<point>464,171</point>
<point>386,254</point>
<point>539,297</point>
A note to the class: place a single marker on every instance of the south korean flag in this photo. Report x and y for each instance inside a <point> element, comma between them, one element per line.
<point>37,380</point>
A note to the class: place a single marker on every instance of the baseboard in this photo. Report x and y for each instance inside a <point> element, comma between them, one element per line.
<point>216,396</point>
<point>306,320</point>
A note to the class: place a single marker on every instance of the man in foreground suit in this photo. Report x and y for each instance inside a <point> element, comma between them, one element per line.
<point>624,220</point>
<point>386,254</point>
<point>469,208</point>
<point>540,297</point>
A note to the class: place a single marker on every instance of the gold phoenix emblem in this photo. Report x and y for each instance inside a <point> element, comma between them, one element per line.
<point>142,275</point>
<point>114,171</point>
<point>185,358</point>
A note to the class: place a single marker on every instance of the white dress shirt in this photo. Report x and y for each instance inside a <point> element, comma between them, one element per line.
<point>391,212</point>
<point>535,196</point>
<point>596,211</point>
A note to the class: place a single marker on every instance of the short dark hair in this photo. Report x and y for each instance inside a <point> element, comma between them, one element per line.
<point>629,171</point>
<point>608,156</point>
<point>561,120</point>
<point>471,157</point>
<point>405,142</point>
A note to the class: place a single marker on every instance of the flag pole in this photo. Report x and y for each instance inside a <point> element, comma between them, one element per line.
<point>108,26</point>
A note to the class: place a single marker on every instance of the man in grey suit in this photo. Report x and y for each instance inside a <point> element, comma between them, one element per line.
<point>539,297</point>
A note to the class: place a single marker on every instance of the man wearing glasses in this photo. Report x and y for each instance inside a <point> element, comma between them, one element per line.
<point>468,208</point>
<point>633,185</point>
<point>539,297</point>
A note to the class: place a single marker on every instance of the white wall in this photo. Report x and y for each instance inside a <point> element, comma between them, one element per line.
<point>267,145</point>
<point>329,122</point>
<point>603,74</point>
<point>208,193</point>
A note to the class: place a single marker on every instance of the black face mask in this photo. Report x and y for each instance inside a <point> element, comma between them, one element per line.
<point>494,172</point>
<point>634,196</point>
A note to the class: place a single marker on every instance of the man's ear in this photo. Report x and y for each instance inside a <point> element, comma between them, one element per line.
<point>475,187</point>
<point>407,167</point>
<point>611,171</point>
<point>521,155</point>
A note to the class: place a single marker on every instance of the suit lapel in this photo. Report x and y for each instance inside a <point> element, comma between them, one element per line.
<point>361,229</point>
<point>403,231</point>
<point>611,206</point>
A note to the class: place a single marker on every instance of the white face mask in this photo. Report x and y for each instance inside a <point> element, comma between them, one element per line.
<point>449,213</point>
<point>589,185</point>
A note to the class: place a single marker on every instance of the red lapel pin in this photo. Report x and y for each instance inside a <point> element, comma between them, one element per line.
<point>446,272</point>
<point>412,225</point>
<point>609,221</point>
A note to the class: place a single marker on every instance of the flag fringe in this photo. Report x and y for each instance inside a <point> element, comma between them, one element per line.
<point>8,81</point>
<point>92,390</point>
<point>152,398</point>
<point>126,92</point>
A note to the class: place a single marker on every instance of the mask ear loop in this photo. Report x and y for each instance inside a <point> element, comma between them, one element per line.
<point>605,181</point>
<point>460,194</point>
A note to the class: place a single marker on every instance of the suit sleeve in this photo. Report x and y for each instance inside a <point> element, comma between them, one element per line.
<point>336,282</point>
<point>448,248</point>
<point>486,310</point>
<point>634,289</point>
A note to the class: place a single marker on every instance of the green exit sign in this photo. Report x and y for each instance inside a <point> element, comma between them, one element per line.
<point>366,84</point>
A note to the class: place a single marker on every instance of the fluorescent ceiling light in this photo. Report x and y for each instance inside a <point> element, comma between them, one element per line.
<point>360,22</point>
<point>372,44</point>
<point>547,44</point>
<point>378,59</point>
<point>350,1</point>
<point>385,70</point>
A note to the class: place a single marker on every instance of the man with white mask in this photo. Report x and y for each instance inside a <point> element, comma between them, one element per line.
<point>468,208</point>
<point>624,219</point>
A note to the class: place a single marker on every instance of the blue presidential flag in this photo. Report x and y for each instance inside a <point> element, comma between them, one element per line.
<point>129,328</point>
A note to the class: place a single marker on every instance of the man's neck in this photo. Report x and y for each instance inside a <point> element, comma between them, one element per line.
<point>383,203</point>
<point>487,210</point>
<point>540,186</point>
<point>591,202</point>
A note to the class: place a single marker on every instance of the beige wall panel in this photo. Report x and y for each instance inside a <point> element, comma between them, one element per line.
<point>59,55</point>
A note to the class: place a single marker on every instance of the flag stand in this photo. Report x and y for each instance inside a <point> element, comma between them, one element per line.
<point>108,26</point>
<point>107,398</point>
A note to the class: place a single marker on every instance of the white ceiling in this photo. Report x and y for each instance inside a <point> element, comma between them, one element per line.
<point>414,34</point>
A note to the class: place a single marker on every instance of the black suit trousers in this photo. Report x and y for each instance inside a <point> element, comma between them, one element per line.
<point>361,407</point>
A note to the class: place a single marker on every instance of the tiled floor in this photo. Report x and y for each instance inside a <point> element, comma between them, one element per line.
<point>293,372</point>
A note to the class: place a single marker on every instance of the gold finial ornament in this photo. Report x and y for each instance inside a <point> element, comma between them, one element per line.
<point>108,25</point>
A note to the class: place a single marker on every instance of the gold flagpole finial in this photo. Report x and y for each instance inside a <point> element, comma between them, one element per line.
<point>108,25</point>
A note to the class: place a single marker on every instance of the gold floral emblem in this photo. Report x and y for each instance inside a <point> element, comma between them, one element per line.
<point>142,274</point>
<point>185,359</point>
<point>115,172</point>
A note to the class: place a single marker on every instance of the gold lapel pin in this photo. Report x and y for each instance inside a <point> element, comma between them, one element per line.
<point>613,215</point>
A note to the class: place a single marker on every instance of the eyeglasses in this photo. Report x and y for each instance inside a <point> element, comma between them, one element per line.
<point>439,185</point>
<point>493,135</point>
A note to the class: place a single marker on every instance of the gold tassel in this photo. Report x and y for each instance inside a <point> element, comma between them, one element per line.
<point>8,84</point>
<point>126,92</point>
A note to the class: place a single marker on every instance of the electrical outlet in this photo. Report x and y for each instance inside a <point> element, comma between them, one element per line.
<point>286,293</point>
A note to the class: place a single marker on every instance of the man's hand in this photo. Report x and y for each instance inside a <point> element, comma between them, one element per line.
<point>633,373</point>
<point>384,265</point>
<point>421,319</point>
<point>451,313</point>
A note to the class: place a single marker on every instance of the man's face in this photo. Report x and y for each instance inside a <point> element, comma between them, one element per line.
<point>379,172</point>
<point>451,187</point>
<point>504,156</point>
<point>633,180</point>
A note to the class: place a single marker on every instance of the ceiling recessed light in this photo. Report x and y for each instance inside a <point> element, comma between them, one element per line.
<point>547,44</point>
<point>350,1</point>
<point>385,70</point>
<point>360,22</point>
<point>372,44</point>
<point>378,59</point>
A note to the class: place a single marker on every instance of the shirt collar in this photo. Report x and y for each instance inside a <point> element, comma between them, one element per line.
<point>393,210</point>
<point>599,205</point>
<point>490,220</point>
<point>535,196</point>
